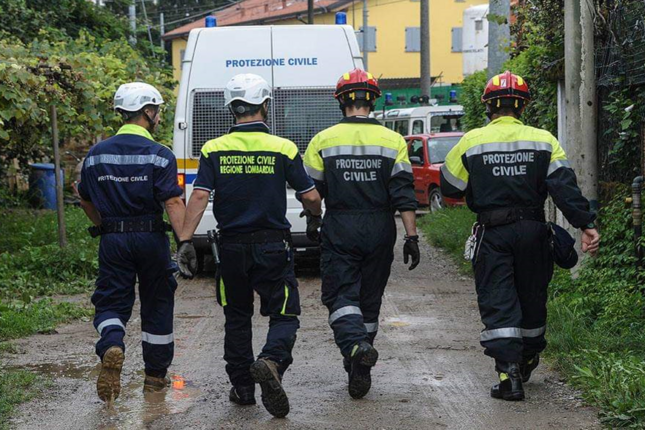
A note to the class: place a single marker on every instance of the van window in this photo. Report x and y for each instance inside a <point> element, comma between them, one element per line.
<point>417,126</point>
<point>445,123</point>
<point>301,113</point>
<point>297,114</point>
<point>402,126</point>
<point>416,150</point>
<point>389,124</point>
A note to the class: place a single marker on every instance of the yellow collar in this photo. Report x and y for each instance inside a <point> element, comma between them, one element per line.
<point>136,130</point>
<point>506,120</point>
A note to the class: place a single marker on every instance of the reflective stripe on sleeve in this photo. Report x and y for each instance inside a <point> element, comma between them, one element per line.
<point>314,173</point>
<point>126,160</point>
<point>452,179</point>
<point>347,310</point>
<point>109,322</point>
<point>401,167</point>
<point>157,339</point>
<point>509,147</point>
<point>359,150</point>
<point>371,327</point>
<point>557,165</point>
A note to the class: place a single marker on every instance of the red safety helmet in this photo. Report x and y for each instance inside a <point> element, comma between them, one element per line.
<point>506,85</point>
<point>359,82</point>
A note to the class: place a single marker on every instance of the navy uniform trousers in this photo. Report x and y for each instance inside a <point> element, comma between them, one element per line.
<point>357,255</point>
<point>124,257</point>
<point>513,268</point>
<point>268,269</point>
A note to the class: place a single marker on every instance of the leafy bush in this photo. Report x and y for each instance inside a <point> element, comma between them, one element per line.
<point>82,95</point>
<point>472,89</point>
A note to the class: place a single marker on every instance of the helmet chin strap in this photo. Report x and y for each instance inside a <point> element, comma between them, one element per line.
<point>151,122</point>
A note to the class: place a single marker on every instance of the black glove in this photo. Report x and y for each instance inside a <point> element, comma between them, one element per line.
<point>411,249</point>
<point>314,222</point>
<point>187,259</point>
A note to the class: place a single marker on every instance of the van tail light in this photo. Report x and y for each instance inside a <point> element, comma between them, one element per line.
<point>181,181</point>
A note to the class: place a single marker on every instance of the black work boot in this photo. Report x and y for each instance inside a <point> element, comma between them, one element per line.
<point>275,400</point>
<point>243,395</point>
<point>361,360</point>
<point>510,385</point>
<point>528,366</point>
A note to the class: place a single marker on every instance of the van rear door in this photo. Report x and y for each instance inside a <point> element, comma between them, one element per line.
<point>307,65</point>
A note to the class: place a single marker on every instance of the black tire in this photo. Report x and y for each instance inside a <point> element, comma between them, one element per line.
<point>435,200</point>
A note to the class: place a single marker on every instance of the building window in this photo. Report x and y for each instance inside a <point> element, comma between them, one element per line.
<point>456,39</point>
<point>479,24</point>
<point>371,39</point>
<point>412,39</point>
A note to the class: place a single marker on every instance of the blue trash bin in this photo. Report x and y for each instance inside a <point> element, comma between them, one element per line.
<point>42,185</point>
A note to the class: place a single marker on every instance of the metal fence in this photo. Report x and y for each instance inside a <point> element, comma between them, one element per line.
<point>297,114</point>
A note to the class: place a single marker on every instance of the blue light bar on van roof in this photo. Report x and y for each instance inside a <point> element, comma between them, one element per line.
<point>211,21</point>
<point>341,18</point>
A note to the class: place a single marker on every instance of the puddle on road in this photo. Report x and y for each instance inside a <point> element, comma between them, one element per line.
<point>136,409</point>
<point>67,369</point>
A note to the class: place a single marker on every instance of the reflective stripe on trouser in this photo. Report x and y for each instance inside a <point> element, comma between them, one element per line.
<point>123,258</point>
<point>268,269</point>
<point>513,269</point>
<point>357,255</point>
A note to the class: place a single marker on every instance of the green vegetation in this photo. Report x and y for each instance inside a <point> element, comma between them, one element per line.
<point>448,229</point>
<point>74,55</point>
<point>16,386</point>
<point>32,265</point>
<point>596,321</point>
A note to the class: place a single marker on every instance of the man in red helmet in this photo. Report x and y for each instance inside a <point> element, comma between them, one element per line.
<point>363,172</point>
<point>506,170</point>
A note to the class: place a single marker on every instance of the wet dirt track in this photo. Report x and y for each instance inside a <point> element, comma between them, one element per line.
<point>431,374</point>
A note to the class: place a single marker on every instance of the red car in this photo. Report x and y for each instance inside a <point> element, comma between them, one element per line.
<point>427,154</point>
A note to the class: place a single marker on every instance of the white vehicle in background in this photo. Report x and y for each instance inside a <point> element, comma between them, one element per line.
<point>423,119</point>
<point>302,63</point>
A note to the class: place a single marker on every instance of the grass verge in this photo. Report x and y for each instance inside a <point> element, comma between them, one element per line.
<point>448,229</point>
<point>16,386</point>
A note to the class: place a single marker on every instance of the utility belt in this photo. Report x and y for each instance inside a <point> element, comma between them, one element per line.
<point>130,225</point>
<point>260,236</point>
<point>505,216</point>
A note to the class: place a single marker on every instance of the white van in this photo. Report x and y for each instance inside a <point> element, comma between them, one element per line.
<point>423,119</point>
<point>301,62</point>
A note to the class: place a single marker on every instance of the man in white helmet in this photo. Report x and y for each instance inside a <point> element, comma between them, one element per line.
<point>126,183</point>
<point>247,171</point>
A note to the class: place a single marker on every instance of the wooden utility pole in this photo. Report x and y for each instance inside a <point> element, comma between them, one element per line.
<point>60,205</point>
<point>426,73</point>
<point>499,35</point>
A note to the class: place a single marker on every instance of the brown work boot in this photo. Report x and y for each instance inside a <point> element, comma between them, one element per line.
<point>275,400</point>
<point>154,383</point>
<point>108,385</point>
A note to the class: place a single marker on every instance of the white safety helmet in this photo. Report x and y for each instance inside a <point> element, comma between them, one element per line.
<point>248,88</point>
<point>132,97</point>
